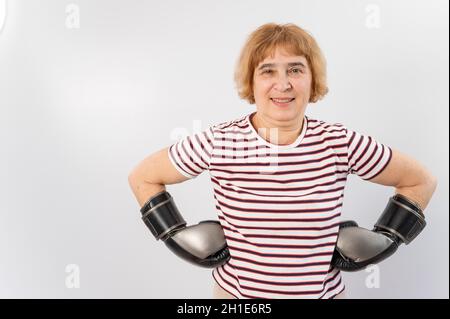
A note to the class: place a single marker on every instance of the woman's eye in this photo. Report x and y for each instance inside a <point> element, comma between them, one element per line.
<point>267,71</point>
<point>296,71</point>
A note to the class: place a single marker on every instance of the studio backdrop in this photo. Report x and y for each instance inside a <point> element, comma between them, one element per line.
<point>90,88</point>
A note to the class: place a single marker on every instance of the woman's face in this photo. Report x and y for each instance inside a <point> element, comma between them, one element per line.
<point>282,86</point>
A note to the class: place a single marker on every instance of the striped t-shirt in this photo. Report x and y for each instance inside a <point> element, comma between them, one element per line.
<point>279,205</point>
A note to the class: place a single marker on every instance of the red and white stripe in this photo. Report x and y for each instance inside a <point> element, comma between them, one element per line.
<point>279,206</point>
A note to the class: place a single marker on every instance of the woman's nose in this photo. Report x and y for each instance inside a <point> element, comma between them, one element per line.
<point>282,83</point>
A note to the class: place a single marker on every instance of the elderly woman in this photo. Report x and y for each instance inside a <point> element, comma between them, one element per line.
<point>278,178</point>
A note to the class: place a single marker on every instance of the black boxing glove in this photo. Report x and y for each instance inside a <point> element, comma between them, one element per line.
<point>401,221</point>
<point>203,244</point>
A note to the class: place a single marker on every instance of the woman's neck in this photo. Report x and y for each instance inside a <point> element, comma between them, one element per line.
<point>277,134</point>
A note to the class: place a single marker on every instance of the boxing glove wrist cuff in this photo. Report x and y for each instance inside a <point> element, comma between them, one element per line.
<point>409,202</point>
<point>402,218</point>
<point>161,215</point>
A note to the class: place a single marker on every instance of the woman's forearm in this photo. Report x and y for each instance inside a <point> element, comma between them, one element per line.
<point>421,193</point>
<point>143,190</point>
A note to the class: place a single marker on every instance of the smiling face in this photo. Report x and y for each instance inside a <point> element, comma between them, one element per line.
<point>281,87</point>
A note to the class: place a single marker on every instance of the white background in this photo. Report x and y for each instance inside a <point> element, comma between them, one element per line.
<point>80,107</point>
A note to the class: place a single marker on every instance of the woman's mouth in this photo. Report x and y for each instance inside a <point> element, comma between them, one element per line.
<point>282,102</point>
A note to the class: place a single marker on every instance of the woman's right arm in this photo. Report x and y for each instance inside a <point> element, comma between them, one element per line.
<point>151,175</point>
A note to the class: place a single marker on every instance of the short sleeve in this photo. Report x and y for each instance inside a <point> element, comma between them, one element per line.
<point>192,154</point>
<point>366,157</point>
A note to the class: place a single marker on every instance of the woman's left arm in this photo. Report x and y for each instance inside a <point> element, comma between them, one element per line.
<point>409,177</point>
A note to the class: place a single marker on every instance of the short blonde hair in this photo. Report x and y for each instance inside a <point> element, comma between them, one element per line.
<point>264,41</point>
